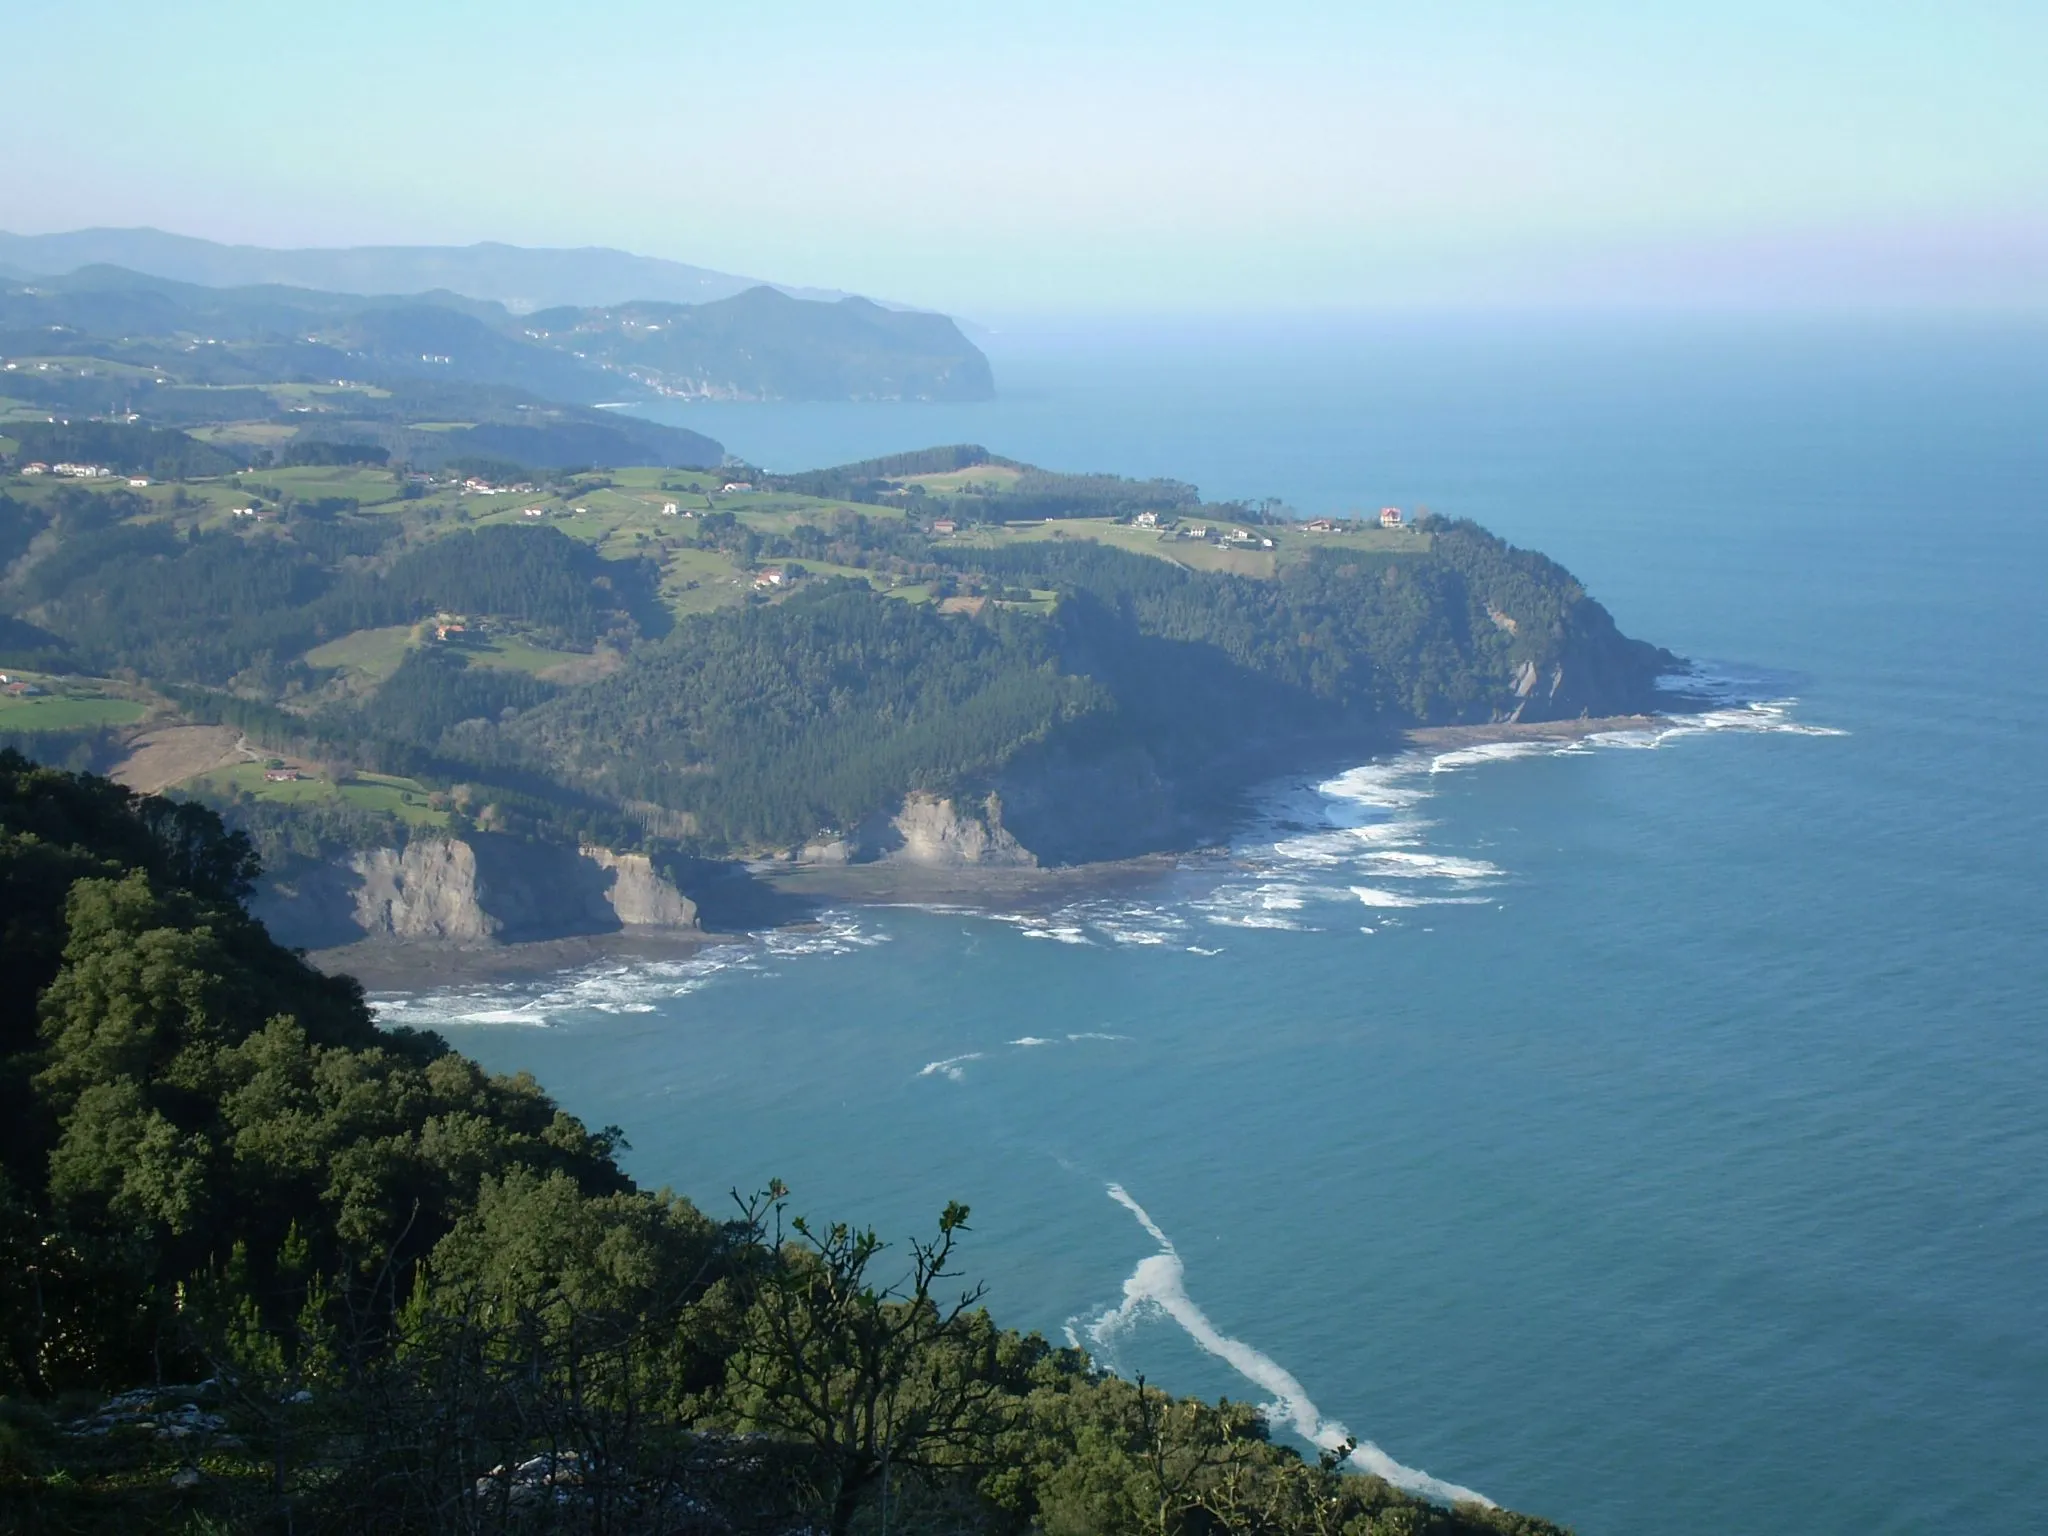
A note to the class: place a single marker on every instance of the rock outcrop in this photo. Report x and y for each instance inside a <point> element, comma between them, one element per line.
<point>426,890</point>
<point>931,832</point>
<point>640,895</point>
<point>939,833</point>
<point>482,889</point>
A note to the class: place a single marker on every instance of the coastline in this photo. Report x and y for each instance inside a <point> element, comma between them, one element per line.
<point>392,965</point>
<point>399,965</point>
<point>1449,738</point>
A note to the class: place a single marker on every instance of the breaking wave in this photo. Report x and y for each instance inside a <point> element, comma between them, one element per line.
<point>1362,836</point>
<point>1158,1286</point>
<point>616,986</point>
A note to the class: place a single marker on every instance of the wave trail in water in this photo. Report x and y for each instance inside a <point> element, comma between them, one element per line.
<point>1159,1284</point>
<point>950,1066</point>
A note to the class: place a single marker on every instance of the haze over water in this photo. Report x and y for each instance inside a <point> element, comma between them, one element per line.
<point>1649,1134</point>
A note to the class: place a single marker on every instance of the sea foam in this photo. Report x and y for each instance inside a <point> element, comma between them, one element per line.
<point>1159,1285</point>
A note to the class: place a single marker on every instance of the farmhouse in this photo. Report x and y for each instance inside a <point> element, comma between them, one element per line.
<point>1322,525</point>
<point>670,509</point>
<point>945,525</point>
<point>774,576</point>
<point>1145,520</point>
<point>1390,517</point>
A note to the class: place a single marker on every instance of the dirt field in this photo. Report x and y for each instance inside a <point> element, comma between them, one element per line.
<point>176,753</point>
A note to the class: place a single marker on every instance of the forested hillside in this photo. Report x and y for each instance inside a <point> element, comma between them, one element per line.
<point>730,667</point>
<point>407,1296</point>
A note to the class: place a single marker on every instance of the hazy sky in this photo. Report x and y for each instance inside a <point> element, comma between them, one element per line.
<point>997,159</point>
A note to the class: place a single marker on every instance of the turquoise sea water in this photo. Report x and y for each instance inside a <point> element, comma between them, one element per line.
<point>1651,1134</point>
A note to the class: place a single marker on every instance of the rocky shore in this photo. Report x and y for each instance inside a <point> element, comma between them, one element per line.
<point>437,914</point>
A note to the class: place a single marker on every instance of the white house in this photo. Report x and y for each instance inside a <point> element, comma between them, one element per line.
<point>1145,520</point>
<point>670,509</point>
<point>1390,517</point>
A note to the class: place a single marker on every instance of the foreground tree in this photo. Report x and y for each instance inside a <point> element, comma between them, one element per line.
<point>876,1379</point>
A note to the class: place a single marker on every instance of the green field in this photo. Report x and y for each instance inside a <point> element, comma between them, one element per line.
<point>374,654</point>
<point>1195,554</point>
<point>1299,544</point>
<point>953,481</point>
<point>362,483</point>
<point>371,653</point>
<point>407,799</point>
<point>717,582</point>
<point>59,713</point>
<point>517,655</point>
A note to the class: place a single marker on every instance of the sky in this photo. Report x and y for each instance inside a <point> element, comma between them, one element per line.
<point>1085,158</point>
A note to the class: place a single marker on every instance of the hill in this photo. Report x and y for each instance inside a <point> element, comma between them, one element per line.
<point>758,345</point>
<point>943,657</point>
<point>521,278</point>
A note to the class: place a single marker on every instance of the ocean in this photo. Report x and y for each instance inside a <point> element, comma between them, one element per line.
<point>1649,1132</point>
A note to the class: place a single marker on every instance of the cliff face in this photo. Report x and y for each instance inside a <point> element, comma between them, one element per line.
<point>931,832</point>
<point>940,833</point>
<point>478,890</point>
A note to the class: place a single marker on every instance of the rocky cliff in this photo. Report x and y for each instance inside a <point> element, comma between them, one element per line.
<point>929,831</point>
<point>477,890</point>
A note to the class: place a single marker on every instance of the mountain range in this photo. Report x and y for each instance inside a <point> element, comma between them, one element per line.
<point>760,344</point>
<point>521,278</point>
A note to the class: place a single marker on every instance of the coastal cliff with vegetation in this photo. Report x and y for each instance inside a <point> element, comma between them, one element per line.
<point>265,1266</point>
<point>478,705</point>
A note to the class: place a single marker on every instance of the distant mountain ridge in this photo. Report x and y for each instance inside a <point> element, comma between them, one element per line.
<point>522,278</point>
<point>760,344</point>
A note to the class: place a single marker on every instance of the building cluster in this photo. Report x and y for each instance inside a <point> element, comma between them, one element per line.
<point>70,471</point>
<point>1390,518</point>
<point>1229,538</point>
